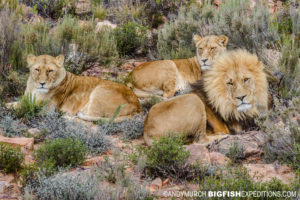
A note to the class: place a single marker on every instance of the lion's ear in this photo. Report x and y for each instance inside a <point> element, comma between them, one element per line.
<point>197,39</point>
<point>60,60</point>
<point>31,59</point>
<point>222,40</point>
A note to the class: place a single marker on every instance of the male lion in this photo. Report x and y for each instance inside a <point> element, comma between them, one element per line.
<point>232,92</point>
<point>89,98</point>
<point>166,77</point>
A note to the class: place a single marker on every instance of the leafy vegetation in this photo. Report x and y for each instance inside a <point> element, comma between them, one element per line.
<point>167,158</point>
<point>62,152</point>
<point>129,37</point>
<point>29,108</point>
<point>11,159</point>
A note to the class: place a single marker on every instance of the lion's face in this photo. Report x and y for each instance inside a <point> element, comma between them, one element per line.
<point>46,71</point>
<point>237,86</point>
<point>209,48</point>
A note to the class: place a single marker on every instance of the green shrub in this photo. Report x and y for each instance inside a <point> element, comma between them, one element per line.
<point>129,37</point>
<point>62,152</point>
<point>175,39</point>
<point>48,8</point>
<point>78,43</point>
<point>166,158</point>
<point>29,108</point>
<point>29,174</point>
<point>11,159</point>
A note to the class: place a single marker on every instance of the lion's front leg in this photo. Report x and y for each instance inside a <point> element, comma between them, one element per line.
<point>219,127</point>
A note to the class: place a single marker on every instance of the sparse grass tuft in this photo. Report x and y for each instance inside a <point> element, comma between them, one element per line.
<point>28,107</point>
<point>148,103</point>
<point>236,152</point>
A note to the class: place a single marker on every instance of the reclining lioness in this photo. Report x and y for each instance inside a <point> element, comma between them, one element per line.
<point>166,77</point>
<point>89,98</point>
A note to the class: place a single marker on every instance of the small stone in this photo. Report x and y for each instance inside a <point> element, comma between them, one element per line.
<point>104,24</point>
<point>165,182</point>
<point>92,161</point>
<point>156,184</point>
<point>198,153</point>
<point>34,131</point>
<point>26,143</point>
<point>3,186</point>
<point>219,159</point>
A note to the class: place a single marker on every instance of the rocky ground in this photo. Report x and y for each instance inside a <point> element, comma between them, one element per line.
<point>212,155</point>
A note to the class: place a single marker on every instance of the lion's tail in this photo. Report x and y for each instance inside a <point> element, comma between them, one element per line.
<point>82,116</point>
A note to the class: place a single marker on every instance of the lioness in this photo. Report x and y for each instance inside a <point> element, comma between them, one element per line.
<point>166,77</point>
<point>89,98</point>
<point>232,92</point>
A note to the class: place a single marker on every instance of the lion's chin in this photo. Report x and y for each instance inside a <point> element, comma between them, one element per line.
<point>244,107</point>
<point>42,90</point>
<point>205,67</point>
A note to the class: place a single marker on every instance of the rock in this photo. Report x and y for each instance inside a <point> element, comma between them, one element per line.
<point>217,158</point>
<point>156,184</point>
<point>83,7</point>
<point>3,186</point>
<point>265,172</point>
<point>8,187</point>
<point>198,153</point>
<point>92,161</point>
<point>165,182</point>
<point>34,131</point>
<point>104,24</point>
<point>25,143</point>
<point>252,142</point>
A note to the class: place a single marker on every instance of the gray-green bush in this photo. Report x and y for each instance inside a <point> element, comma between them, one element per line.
<point>56,126</point>
<point>175,39</point>
<point>283,139</point>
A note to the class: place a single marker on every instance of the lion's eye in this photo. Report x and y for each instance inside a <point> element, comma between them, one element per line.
<point>213,48</point>
<point>49,71</point>
<point>230,83</point>
<point>37,70</point>
<point>245,80</point>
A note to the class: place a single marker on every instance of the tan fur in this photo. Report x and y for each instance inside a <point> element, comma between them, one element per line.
<point>213,108</point>
<point>166,77</point>
<point>88,97</point>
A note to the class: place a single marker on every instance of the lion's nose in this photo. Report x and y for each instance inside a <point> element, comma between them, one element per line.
<point>241,97</point>
<point>204,60</point>
<point>42,84</point>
